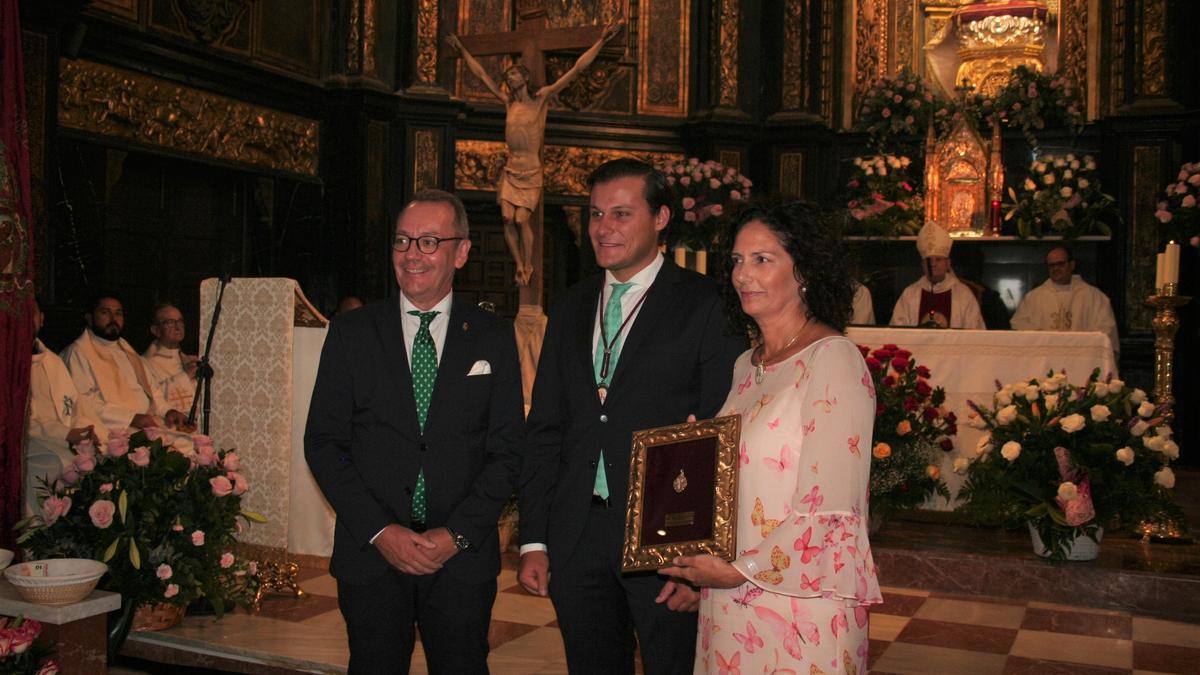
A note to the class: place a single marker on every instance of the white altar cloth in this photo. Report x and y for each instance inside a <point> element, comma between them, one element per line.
<point>967,364</point>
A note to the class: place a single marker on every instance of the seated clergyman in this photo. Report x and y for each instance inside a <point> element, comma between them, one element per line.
<point>1066,302</point>
<point>938,299</point>
<point>111,376</point>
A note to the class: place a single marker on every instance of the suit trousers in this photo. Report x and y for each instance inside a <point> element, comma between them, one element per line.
<point>452,616</point>
<point>600,609</point>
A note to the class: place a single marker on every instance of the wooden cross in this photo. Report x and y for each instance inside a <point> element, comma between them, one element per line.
<point>532,39</point>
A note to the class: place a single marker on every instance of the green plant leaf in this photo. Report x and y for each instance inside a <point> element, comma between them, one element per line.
<point>123,504</point>
<point>135,558</point>
<point>110,551</point>
<point>253,516</point>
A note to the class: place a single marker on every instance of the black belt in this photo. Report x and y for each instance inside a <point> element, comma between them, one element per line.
<point>601,502</point>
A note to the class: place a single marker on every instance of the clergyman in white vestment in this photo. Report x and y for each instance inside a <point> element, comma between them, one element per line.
<point>172,373</point>
<point>1065,302</point>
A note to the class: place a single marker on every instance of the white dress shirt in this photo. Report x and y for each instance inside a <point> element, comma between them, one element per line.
<point>629,303</point>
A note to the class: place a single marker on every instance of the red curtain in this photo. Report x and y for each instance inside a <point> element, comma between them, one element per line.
<point>16,268</point>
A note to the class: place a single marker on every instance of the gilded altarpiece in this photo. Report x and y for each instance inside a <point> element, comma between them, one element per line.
<point>888,35</point>
<point>478,164</point>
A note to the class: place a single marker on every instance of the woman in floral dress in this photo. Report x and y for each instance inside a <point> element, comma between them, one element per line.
<point>795,600</point>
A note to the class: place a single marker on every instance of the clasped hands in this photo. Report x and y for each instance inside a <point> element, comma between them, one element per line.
<point>414,552</point>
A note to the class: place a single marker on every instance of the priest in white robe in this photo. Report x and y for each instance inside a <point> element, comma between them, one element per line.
<point>172,373</point>
<point>58,418</point>
<point>1065,302</point>
<point>938,298</point>
<point>111,376</point>
<point>863,309</point>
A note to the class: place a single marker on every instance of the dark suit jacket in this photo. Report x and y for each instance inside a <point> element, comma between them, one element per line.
<point>676,360</point>
<point>364,445</point>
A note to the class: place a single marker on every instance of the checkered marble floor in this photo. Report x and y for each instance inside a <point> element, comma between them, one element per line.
<point>911,632</point>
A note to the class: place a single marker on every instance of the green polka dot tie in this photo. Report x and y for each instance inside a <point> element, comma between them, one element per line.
<point>424,374</point>
<point>612,324</point>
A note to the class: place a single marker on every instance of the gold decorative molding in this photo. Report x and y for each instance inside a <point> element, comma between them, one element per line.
<point>1116,81</point>
<point>126,9</point>
<point>870,43</point>
<point>664,41</point>
<point>727,48</point>
<point>129,106</point>
<point>1143,236</point>
<point>567,167</point>
<point>791,174</point>
<point>1073,45</point>
<point>425,159</point>
<point>905,33</point>
<point>1152,70</point>
<point>369,16</point>
<point>353,41</point>
<point>427,42</point>
<point>730,158</point>
<point>795,54</point>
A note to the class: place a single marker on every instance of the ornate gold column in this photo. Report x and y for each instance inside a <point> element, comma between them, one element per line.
<point>725,63</point>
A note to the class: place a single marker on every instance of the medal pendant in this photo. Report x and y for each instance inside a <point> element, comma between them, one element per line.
<point>680,482</point>
<point>602,390</point>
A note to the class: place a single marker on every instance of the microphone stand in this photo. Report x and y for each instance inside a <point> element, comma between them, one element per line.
<point>204,371</point>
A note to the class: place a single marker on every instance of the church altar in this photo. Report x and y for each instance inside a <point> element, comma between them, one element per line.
<point>968,363</point>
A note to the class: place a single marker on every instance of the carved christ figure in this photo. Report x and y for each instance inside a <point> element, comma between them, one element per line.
<point>520,187</point>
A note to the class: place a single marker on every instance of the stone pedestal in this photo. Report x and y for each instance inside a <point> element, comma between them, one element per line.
<point>77,632</point>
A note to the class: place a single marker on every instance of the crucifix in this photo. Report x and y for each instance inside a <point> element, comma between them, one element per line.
<point>526,101</point>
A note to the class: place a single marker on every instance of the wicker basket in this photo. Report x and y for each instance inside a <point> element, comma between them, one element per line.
<point>55,582</point>
<point>159,616</point>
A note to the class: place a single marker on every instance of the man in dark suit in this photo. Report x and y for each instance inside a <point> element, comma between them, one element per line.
<point>412,435</point>
<point>641,345</point>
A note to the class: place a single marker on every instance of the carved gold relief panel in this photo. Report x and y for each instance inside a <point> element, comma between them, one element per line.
<point>107,101</point>
<point>1147,183</point>
<point>663,41</point>
<point>791,174</point>
<point>478,165</point>
<point>425,159</point>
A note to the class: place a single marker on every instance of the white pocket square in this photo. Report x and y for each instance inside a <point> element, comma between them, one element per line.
<point>481,367</point>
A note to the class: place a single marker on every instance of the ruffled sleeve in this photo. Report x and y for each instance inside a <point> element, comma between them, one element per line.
<point>820,549</point>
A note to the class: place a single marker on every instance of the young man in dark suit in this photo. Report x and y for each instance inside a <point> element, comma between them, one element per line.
<point>412,434</point>
<point>640,345</point>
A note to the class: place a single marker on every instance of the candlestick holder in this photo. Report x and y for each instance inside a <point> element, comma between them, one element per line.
<point>1165,324</point>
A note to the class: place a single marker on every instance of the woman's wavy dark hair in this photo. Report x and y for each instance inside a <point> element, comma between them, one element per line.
<point>815,245</point>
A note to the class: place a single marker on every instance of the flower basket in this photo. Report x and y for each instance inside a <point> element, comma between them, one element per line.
<point>156,616</point>
<point>1069,460</point>
<point>162,515</point>
<point>900,106</point>
<point>701,191</point>
<point>1178,212</point>
<point>881,199</point>
<point>911,427</point>
<point>1061,196</point>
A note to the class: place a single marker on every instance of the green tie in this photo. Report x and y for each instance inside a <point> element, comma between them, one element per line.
<point>424,374</point>
<point>612,325</point>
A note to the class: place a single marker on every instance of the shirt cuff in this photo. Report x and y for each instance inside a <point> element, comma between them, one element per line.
<point>372,539</point>
<point>528,548</point>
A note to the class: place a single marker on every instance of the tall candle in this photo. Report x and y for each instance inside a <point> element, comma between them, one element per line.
<point>1159,272</point>
<point>1171,275</point>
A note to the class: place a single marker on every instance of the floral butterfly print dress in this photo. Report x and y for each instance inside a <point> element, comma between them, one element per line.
<point>802,531</point>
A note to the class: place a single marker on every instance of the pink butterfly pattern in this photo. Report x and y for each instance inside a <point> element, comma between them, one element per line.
<point>811,576</point>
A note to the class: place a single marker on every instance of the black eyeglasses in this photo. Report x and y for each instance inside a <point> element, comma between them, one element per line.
<point>425,244</point>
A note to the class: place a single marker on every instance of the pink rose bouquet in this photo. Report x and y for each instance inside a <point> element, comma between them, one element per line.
<point>702,190</point>
<point>137,504</point>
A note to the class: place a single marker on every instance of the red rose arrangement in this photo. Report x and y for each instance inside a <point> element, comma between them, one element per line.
<point>911,426</point>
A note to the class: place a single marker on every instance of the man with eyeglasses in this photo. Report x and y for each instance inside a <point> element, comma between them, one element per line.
<point>172,373</point>
<point>412,435</point>
<point>1066,302</point>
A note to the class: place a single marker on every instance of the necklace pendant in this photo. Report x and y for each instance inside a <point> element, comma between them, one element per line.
<point>759,372</point>
<point>602,390</point>
<point>680,483</point>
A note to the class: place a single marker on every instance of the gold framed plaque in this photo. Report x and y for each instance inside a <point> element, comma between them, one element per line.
<point>682,493</point>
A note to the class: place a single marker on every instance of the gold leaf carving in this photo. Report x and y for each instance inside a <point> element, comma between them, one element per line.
<point>425,160</point>
<point>728,57</point>
<point>427,48</point>
<point>795,49</point>
<point>1154,41</point>
<point>130,106</point>
<point>478,165</point>
<point>589,89</point>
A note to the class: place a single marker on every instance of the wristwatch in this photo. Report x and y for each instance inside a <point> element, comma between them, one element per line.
<point>460,541</point>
